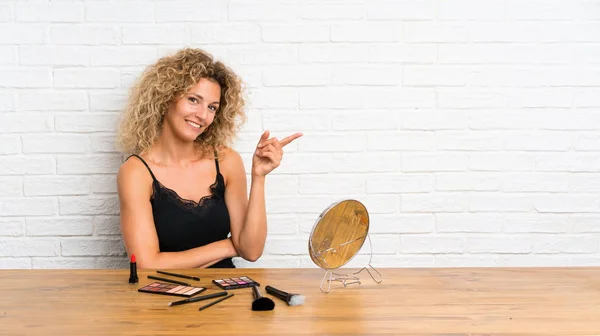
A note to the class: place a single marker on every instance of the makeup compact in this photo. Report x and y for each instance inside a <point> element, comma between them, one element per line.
<point>171,289</point>
<point>234,283</point>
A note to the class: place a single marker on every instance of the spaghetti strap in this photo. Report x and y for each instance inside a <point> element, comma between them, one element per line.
<point>217,162</point>
<point>145,164</point>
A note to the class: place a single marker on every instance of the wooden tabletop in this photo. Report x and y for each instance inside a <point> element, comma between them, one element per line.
<point>457,301</point>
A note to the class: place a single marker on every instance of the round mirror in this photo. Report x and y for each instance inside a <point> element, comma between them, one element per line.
<point>338,234</point>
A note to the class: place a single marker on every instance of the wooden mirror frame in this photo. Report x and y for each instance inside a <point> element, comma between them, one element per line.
<point>338,234</point>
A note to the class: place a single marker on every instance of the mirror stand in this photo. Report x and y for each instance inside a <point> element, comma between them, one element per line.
<point>350,279</point>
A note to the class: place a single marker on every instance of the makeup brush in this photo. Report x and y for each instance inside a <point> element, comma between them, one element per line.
<point>260,302</point>
<point>197,298</point>
<point>290,299</point>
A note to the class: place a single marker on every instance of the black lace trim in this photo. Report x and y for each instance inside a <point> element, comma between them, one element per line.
<point>217,191</point>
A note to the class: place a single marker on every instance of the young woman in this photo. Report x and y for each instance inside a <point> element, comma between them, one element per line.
<point>183,191</point>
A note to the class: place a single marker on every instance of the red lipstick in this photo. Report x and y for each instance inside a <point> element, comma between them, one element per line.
<point>133,277</point>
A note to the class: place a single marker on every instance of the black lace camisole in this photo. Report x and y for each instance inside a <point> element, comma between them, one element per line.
<point>183,224</point>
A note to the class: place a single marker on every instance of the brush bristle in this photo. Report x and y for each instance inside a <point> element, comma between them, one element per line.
<point>296,300</point>
<point>263,303</point>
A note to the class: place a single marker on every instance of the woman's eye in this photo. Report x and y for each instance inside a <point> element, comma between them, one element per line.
<point>213,108</point>
<point>193,100</point>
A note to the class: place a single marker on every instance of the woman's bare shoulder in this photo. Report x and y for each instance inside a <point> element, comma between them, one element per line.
<point>229,156</point>
<point>230,162</point>
<point>133,174</point>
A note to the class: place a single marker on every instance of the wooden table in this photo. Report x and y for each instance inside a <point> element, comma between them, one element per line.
<point>457,301</point>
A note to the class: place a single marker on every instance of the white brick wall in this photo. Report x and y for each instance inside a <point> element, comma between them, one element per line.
<point>470,130</point>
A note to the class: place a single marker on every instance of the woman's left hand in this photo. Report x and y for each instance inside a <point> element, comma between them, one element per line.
<point>269,152</point>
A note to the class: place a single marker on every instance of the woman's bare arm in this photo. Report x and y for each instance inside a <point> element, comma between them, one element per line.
<point>247,214</point>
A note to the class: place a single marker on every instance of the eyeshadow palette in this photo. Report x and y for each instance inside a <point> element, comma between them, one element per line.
<point>233,283</point>
<point>171,289</point>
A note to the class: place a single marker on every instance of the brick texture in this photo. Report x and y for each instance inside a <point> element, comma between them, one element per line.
<point>469,129</point>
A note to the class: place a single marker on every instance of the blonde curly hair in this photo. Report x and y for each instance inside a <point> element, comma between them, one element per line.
<point>168,80</point>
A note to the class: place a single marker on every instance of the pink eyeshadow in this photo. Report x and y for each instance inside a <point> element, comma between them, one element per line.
<point>175,289</point>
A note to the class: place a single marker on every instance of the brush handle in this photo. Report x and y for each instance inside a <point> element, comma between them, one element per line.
<point>215,302</point>
<point>169,280</point>
<point>256,293</point>
<point>278,293</point>
<point>208,296</point>
<point>198,298</point>
<point>179,275</point>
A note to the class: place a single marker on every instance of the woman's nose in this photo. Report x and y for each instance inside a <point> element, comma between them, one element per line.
<point>202,112</point>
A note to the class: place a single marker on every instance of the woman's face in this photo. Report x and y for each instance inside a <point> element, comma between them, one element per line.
<point>189,116</point>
